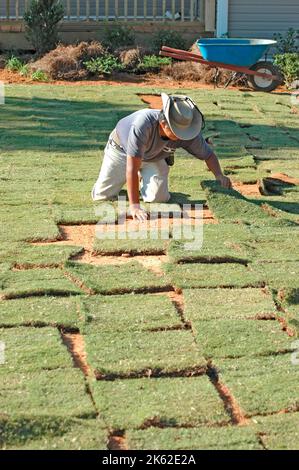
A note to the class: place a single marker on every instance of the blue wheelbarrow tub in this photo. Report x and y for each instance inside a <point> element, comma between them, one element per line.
<point>234,51</point>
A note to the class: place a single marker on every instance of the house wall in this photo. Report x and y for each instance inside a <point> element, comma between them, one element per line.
<point>12,34</point>
<point>262,18</point>
<point>151,5</point>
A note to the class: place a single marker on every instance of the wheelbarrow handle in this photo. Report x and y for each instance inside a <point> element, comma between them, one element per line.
<point>180,54</point>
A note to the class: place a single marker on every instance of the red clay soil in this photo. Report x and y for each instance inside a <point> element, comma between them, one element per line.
<point>284,178</point>
<point>152,80</point>
<point>154,101</point>
<point>252,190</point>
<point>231,404</point>
<point>121,80</point>
<point>286,328</point>
<point>84,235</point>
<point>177,299</point>
<point>76,347</point>
<point>117,441</point>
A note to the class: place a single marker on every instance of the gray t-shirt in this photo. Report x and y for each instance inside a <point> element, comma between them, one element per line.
<point>139,136</point>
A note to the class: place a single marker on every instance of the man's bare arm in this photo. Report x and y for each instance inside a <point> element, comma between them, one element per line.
<point>133,166</point>
<point>213,164</point>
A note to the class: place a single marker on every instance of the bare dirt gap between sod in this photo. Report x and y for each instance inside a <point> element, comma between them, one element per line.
<point>230,403</point>
<point>117,440</point>
<point>76,347</point>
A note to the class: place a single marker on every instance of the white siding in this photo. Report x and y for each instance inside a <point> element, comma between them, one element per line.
<point>262,18</point>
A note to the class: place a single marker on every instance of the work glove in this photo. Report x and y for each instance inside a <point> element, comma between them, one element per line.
<point>224,181</point>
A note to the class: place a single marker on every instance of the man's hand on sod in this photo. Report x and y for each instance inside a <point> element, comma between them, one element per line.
<point>224,181</point>
<point>133,166</point>
<point>138,213</point>
<point>213,164</point>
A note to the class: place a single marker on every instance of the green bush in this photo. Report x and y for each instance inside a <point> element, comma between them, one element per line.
<point>286,43</point>
<point>41,20</point>
<point>104,65</point>
<point>39,76</point>
<point>14,64</point>
<point>118,35</point>
<point>153,63</point>
<point>168,38</point>
<point>288,64</point>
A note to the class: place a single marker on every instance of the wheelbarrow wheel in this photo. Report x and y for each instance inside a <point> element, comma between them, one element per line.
<point>264,84</point>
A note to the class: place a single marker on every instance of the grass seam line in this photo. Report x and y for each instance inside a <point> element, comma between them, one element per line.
<point>233,409</point>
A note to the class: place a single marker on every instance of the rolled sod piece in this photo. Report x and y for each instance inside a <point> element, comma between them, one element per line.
<point>229,205</point>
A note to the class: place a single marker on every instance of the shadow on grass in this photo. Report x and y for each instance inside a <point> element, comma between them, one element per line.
<point>58,125</point>
<point>67,125</point>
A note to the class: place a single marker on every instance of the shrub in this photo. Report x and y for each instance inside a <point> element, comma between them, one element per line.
<point>41,20</point>
<point>24,70</point>
<point>104,65</point>
<point>168,38</point>
<point>130,57</point>
<point>286,43</point>
<point>118,35</point>
<point>288,64</point>
<point>153,63</point>
<point>14,64</point>
<point>39,76</point>
<point>67,62</point>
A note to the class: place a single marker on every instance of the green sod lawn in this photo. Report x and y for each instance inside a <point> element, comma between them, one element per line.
<point>157,358</point>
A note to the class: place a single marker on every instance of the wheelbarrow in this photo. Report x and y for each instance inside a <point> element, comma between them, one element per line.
<point>241,56</point>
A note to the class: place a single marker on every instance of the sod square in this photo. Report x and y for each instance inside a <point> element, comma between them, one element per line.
<point>135,242</point>
<point>283,274</point>
<point>227,304</point>
<point>36,282</point>
<point>23,224</point>
<point>177,401</point>
<point>278,244</point>
<point>227,242</point>
<point>136,312</point>
<point>40,311</point>
<point>33,349</point>
<point>135,353</point>
<point>199,438</point>
<point>40,393</point>
<point>237,338</point>
<point>193,275</point>
<point>261,384</point>
<point>279,432</point>
<point>52,434</point>
<point>29,256</point>
<point>116,279</point>
<point>75,215</point>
